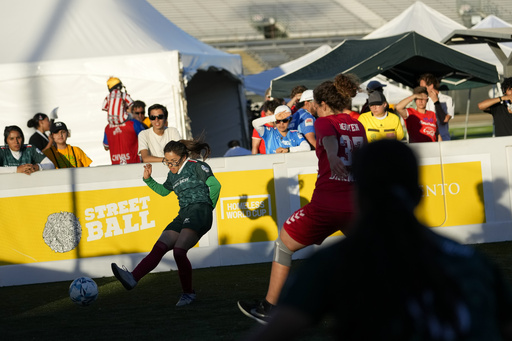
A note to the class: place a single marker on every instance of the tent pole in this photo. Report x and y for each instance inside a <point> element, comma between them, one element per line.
<point>467,115</point>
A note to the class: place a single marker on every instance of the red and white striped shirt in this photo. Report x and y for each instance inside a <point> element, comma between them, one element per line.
<point>115,104</point>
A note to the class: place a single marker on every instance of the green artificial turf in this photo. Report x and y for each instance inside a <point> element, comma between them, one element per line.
<point>45,312</point>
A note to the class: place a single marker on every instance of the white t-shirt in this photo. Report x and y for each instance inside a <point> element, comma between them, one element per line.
<point>154,143</point>
<point>446,103</point>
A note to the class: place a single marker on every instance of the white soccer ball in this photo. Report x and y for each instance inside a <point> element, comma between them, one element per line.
<point>83,291</point>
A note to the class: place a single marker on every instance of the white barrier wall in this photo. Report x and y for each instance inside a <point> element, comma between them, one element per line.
<point>60,224</point>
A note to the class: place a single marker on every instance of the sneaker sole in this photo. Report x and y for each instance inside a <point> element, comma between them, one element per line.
<point>248,314</point>
<point>118,276</point>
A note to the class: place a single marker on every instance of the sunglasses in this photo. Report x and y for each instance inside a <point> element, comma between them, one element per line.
<point>160,117</point>
<point>284,121</point>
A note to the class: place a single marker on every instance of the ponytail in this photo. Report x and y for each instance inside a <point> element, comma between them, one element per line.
<point>195,148</point>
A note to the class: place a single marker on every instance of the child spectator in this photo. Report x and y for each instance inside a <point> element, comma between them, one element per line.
<point>62,154</point>
<point>117,102</point>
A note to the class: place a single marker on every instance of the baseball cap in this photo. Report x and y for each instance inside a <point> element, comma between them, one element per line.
<point>57,126</point>
<point>282,108</point>
<point>376,98</point>
<point>374,85</point>
<point>306,96</point>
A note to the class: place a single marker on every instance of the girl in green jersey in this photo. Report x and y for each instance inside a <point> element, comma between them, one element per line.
<point>197,190</point>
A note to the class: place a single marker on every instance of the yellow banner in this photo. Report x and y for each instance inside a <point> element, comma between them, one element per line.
<point>246,211</point>
<point>61,226</point>
<point>452,194</point>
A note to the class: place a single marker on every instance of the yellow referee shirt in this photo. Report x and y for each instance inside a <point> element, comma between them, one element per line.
<point>388,127</point>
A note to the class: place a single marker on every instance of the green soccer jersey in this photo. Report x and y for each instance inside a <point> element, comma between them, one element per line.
<point>29,155</point>
<point>189,183</point>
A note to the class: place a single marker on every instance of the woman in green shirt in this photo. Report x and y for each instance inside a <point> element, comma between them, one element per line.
<point>197,190</point>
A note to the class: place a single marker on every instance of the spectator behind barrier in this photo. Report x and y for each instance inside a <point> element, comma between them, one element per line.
<point>16,157</point>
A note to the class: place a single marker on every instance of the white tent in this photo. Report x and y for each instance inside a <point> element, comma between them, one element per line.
<point>59,53</point>
<point>420,18</point>
<point>259,83</point>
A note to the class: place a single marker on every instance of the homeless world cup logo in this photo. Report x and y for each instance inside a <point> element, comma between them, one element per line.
<point>252,206</point>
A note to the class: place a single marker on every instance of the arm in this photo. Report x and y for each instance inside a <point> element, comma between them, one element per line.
<point>400,107</point>
<point>255,146</point>
<point>486,104</point>
<point>259,123</point>
<point>311,139</point>
<point>45,164</point>
<point>302,147</point>
<point>146,157</point>
<point>331,148</point>
<point>440,114</point>
<point>155,186</point>
<point>214,186</point>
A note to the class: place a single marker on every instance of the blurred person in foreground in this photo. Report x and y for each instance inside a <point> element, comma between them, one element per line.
<point>393,278</point>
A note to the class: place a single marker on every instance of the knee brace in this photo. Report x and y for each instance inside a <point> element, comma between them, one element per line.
<point>282,254</point>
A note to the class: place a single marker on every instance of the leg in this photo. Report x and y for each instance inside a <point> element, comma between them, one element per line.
<point>164,244</point>
<point>284,249</point>
<point>280,271</point>
<point>187,239</point>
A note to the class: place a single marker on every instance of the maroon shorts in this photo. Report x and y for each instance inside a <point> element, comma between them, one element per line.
<point>311,224</point>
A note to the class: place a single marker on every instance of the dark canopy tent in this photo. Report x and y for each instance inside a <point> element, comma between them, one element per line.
<point>402,58</point>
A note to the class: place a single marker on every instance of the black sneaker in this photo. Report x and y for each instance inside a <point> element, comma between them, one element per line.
<point>257,310</point>
<point>124,276</point>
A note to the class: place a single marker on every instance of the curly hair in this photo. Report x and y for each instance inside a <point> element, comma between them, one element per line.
<point>507,84</point>
<point>337,94</point>
<point>298,90</point>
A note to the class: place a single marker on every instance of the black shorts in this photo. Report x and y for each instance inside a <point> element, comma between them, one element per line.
<point>197,217</point>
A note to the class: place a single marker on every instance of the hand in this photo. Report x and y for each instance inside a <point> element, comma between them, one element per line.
<point>26,168</point>
<point>35,167</point>
<point>337,167</point>
<point>433,95</point>
<point>506,98</point>
<point>282,150</point>
<point>148,169</point>
<point>282,115</point>
<point>420,96</point>
<point>50,139</point>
